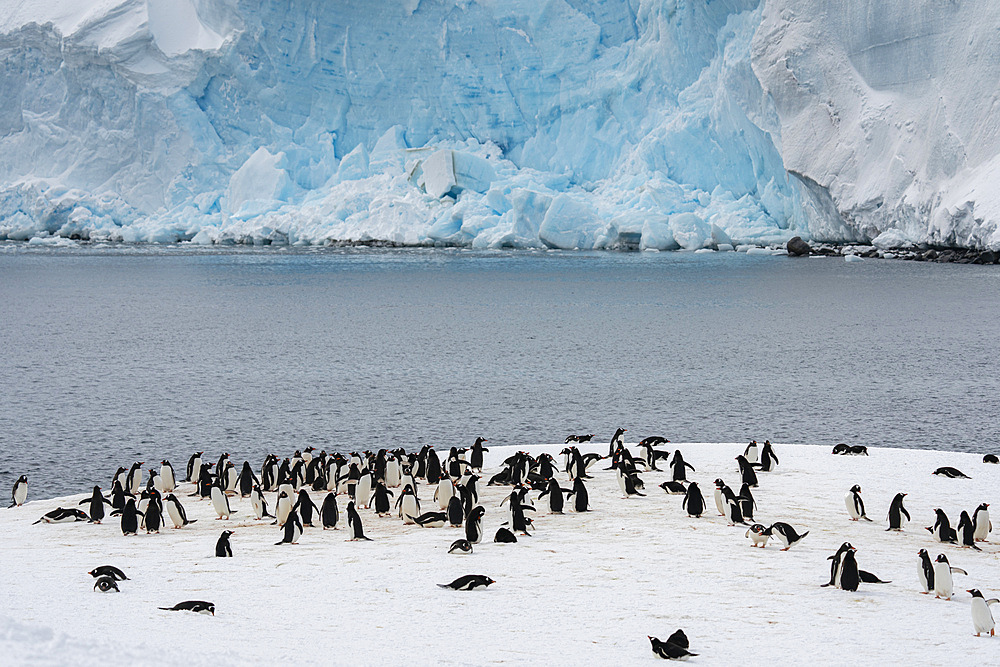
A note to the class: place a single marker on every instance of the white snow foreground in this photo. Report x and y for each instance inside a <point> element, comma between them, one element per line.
<point>585,588</point>
<point>560,123</point>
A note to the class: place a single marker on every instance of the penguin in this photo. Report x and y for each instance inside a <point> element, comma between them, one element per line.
<point>669,650</point>
<point>518,521</point>
<point>258,503</point>
<point>674,488</point>
<point>432,467</point>
<point>944,586</point>
<point>840,449</point>
<point>445,490</point>
<point>130,518</point>
<point>106,585</point>
<point>555,494</point>
<point>283,508</point>
<point>581,498</point>
<point>134,483</point>
<point>222,548</point>
<point>736,512</point>
<point>176,511</point>
<point>942,530</point>
<point>651,455</point>
<point>168,481</point>
<point>305,507</point>
<point>720,496</point>
<point>679,639</point>
<point>981,522</point>
<point>117,495</point>
<point>220,501</point>
<point>60,515</point>
<point>758,535</point>
<point>354,523</point>
<point>897,512</point>
<point>363,489</point>
<point>408,504</point>
<point>194,467</point>
<point>205,481</point>
<point>474,525</point>
<point>857,450</point>
<point>380,500</point>
<point>108,571</point>
<point>154,481</point>
<point>952,473</point>
<point>292,530</point>
<point>746,502</point>
<point>991,458</point>
<point>925,571</point>
<point>768,459</point>
<point>751,452</point>
<point>693,501</point>
<point>246,480</point>
<point>982,617</point>
<point>330,513</point>
<point>678,467</point>
<point>855,506</point>
<point>967,532</point>
<point>786,534</point>
<point>849,577</point>
<point>460,547</point>
<point>747,472</point>
<point>469,582</point>
<point>120,476</point>
<point>230,478</point>
<point>476,454</point>
<point>869,578</point>
<point>837,559</point>
<point>430,519</point>
<point>97,502</point>
<point>20,492</point>
<point>456,512</point>
<point>153,517</point>
<point>504,536</point>
<point>196,606</point>
<point>626,481</point>
<point>617,440</point>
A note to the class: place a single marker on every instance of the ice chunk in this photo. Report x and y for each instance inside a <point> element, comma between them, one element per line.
<point>260,179</point>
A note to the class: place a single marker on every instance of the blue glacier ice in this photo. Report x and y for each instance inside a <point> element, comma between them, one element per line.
<point>501,123</point>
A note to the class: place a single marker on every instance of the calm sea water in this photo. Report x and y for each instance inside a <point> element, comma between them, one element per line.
<point>122,354</point>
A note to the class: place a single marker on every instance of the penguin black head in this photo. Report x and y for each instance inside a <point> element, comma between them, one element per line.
<point>975,592</point>
<point>856,488</point>
<point>941,558</point>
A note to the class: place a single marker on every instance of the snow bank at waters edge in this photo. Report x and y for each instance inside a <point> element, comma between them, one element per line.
<point>585,588</point>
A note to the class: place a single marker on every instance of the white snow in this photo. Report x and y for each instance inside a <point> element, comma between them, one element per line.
<point>584,588</point>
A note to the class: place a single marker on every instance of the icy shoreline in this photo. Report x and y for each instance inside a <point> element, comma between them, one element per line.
<point>585,587</point>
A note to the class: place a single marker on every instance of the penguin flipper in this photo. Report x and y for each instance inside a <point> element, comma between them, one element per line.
<point>993,601</point>
<point>959,570</point>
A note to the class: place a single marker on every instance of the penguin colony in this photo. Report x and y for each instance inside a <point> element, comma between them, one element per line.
<point>371,481</point>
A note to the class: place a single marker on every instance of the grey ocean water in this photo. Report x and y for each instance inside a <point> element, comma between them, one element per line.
<point>140,353</point>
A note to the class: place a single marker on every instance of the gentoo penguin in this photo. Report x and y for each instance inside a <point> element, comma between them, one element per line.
<point>445,490</point>
<point>476,454</point>
<point>736,512</point>
<point>751,452</point>
<point>120,476</point>
<point>230,478</point>
<point>693,501</point>
<point>942,530</point>
<point>106,585</point>
<point>292,529</point>
<point>786,534</point>
<point>220,501</point>
<point>468,582</point>
<point>222,548</point>
<point>721,501</point>
<point>432,466</point>
<point>380,500</point>
<point>134,484</point>
<point>205,481</point>
<point>981,522</point>
<point>944,587</point>
<point>194,467</point>
<point>474,524</point>
<point>167,480</point>
<point>925,571</point>
<point>679,639</point>
<point>679,467</point>
<point>176,511</point>
<point>674,488</point>
<point>555,494</point>
<point>652,455</point>
<point>60,515</point>
<point>768,459</point>
<point>108,571</point>
<point>967,532</point>
<point>626,481</point>
<point>430,519</point>
<point>746,502</point>
<point>504,536</point>
<point>130,518</point>
<point>581,498</point>
<point>841,449</point>
<point>363,489</point>
<point>97,502</point>
<point>617,440</point>
<point>154,481</point>
<point>849,577</point>
<point>897,512</point>
<point>747,473</point>
<point>758,535</point>
<point>460,547</point>
<point>153,518</point>
<point>857,450</point>
<point>669,650</point>
<point>20,492</point>
<point>283,508</point>
<point>197,606</point>
<point>456,512</point>
<point>354,523</point>
<point>948,471</point>
<point>117,495</point>
<point>330,513</point>
<point>982,617</point>
<point>855,506</point>
<point>408,504</point>
<point>991,458</point>
<point>305,507</point>
<point>258,503</point>
<point>246,480</point>
<point>837,559</point>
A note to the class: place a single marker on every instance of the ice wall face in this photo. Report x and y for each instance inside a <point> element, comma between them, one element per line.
<point>497,123</point>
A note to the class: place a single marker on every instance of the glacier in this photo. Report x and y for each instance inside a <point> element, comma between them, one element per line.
<point>501,123</point>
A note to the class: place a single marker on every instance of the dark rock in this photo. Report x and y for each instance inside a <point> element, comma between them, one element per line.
<point>986,257</point>
<point>796,247</point>
<point>930,254</point>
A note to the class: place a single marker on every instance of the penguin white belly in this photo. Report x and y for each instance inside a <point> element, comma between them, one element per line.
<point>167,480</point>
<point>363,491</point>
<point>175,516</point>
<point>982,618</point>
<point>621,481</point>
<point>444,493</point>
<point>257,505</point>
<point>751,455</point>
<point>20,494</point>
<point>283,509</point>
<point>852,509</point>
<point>231,477</point>
<point>720,502</point>
<point>922,578</point>
<point>219,503</point>
<point>392,474</point>
<point>409,509</point>
<point>331,478</point>
<point>158,483</point>
<point>944,586</point>
<point>982,530</point>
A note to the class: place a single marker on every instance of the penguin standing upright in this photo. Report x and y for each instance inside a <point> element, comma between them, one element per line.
<point>305,507</point>
<point>693,501</point>
<point>97,502</point>
<point>474,525</point>
<point>555,494</point>
<point>282,508</point>
<point>944,585</point>
<point>581,498</point>
<point>220,501</point>
<point>768,459</point>
<point>222,548</point>
<point>849,577</point>
<point>194,467</point>
<point>925,571</point>
<point>176,511</point>
<point>408,504</point>
<point>747,471</point>
<point>167,479</point>
<point>982,617</point>
<point>380,500</point>
<point>258,502</point>
<point>455,511</point>
<point>153,518</point>
<point>967,532</point>
<point>246,480</point>
<point>720,496</point>
<point>20,492</point>
<point>292,530</point>
<point>751,452</point>
<point>746,502</point>
<point>476,455</point>
<point>981,522</point>
<point>330,513</point>
<point>134,484</point>
<point>354,523</point>
<point>617,440</point>
<point>855,506</point>
<point>837,559</point>
<point>942,530</point>
<point>117,495</point>
<point>678,467</point>
<point>897,512</point>
<point>363,489</point>
<point>130,518</point>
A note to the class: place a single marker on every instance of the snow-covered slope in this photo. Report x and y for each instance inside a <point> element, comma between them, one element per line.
<point>584,588</point>
<point>561,123</point>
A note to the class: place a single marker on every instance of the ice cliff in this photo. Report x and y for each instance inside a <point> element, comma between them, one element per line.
<point>498,123</point>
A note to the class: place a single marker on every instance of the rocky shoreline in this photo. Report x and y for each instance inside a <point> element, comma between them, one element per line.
<point>796,247</point>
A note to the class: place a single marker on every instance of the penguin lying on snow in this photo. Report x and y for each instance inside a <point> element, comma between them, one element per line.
<point>468,582</point>
<point>197,606</point>
<point>460,547</point>
<point>106,585</point>
<point>60,515</point>
<point>953,473</point>
<point>674,488</point>
<point>991,458</point>
<point>108,571</point>
<point>504,536</point>
<point>668,650</point>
